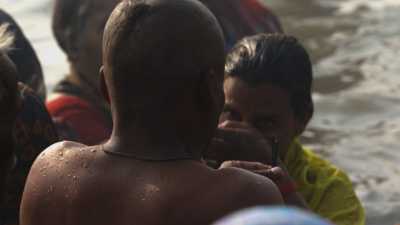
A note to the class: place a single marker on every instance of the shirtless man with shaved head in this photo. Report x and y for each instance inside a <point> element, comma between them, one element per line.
<point>163,66</point>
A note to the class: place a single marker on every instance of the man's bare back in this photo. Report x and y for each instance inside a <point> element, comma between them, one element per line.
<point>85,185</point>
<point>165,89</point>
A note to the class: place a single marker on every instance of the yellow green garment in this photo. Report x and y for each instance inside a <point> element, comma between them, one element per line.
<point>327,190</point>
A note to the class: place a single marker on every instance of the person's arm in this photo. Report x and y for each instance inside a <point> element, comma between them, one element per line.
<point>242,142</point>
<point>287,186</point>
<point>338,202</point>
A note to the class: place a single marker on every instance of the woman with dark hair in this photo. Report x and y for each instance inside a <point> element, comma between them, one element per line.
<point>26,128</point>
<point>8,109</point>
<point>24,57</point>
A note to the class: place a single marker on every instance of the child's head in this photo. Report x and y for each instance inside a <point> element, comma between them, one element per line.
<point>268,84</point>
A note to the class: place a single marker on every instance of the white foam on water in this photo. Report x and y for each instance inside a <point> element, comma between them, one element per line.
<point>366,114</point>
<point>353,5</point>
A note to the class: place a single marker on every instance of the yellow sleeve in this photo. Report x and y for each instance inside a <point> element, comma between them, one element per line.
<point>327,190</point>
<point>338,202</point>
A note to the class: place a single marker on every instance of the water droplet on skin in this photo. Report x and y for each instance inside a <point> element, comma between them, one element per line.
<point>61,154</point>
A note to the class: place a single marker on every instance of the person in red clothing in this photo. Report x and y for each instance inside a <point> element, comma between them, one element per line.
<point>240,18</point>
<point>77,106</point>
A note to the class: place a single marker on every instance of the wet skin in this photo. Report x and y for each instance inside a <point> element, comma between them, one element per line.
<point>74,184</point>
<point>98,188</point>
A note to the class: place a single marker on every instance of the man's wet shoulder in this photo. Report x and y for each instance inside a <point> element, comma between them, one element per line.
<point>61,149</point>
<point>248,188</point>
<point>243,178</point>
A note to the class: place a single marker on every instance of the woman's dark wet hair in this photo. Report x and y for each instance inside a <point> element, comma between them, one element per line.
<point>24,57</point>
<point>275,59</point>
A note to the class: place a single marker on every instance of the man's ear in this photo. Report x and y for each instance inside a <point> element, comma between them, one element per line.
<point>212,90</point>
<point>103,86</point>
<point>302,123</point>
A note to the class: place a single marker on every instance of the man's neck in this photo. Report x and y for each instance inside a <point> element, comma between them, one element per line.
<point>135,145</point>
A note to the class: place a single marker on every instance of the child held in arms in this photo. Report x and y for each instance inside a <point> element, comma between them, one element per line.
<point>268,104</point>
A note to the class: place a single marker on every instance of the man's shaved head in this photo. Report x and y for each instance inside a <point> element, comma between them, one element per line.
<point>163,45</point>
<point>163,66</point>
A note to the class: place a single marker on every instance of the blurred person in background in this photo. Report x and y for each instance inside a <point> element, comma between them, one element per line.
<point>268,101</point>
<point>32,129</point>
<point>24,57</point>
<point>77,105</point>
<point>8,108</point>
<point>240,18</point>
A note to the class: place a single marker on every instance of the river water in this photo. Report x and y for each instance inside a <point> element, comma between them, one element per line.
<point>355,46</point>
